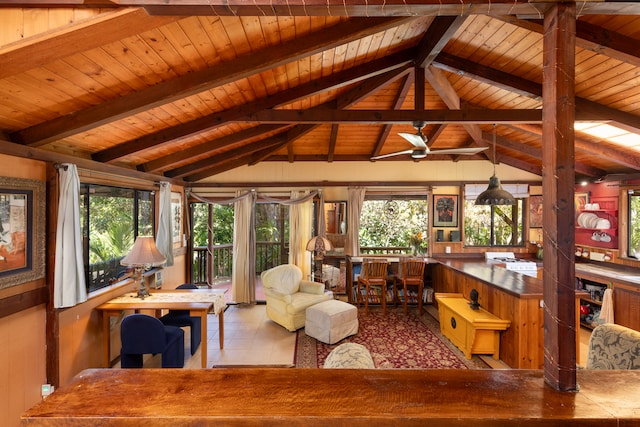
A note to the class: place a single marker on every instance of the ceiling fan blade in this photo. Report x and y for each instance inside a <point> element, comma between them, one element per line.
<point>463,151</point>
<point>415,139</point>
<point>397,153</point>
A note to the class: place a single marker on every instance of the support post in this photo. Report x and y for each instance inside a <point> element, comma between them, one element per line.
<point>558,182</point>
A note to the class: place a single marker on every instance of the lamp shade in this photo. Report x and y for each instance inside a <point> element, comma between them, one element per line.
<point>144,253</point>
<point>319,244</point>
<point>495,195</point>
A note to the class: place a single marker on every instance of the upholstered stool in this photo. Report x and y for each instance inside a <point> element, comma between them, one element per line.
<point>330,321</point>
<point>349,356</point>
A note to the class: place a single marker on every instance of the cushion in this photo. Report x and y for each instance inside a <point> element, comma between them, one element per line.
<point>283,278</point>
<point>349,356</point>
<point>614,346</point>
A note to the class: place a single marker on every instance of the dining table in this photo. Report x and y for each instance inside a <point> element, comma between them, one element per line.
<point>199,302</point>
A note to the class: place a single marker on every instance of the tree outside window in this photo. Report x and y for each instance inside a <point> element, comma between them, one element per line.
<point>493,225</point>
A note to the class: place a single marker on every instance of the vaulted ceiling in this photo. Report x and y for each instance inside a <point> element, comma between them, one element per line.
<point>188,92</point>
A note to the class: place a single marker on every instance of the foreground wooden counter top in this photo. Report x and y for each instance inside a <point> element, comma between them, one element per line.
<point>322,397</point>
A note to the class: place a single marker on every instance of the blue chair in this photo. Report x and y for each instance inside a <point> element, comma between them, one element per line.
<point>182,318</point>
<point>143,334</point>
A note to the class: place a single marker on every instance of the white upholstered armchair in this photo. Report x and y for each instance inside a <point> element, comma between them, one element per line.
<point>288,295</point>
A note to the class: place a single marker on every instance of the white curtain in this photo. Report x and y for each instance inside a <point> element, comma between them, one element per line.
<point>243,285</point>
<point>300,218</point>
<point>164,239</point>
<point>69,286</point>
<point>356,200</point>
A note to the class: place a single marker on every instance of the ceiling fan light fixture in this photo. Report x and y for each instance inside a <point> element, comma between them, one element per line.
<point>495,194</point>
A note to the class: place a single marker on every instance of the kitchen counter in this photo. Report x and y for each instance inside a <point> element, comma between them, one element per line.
<point>496,275</point>
<point>610,273</point>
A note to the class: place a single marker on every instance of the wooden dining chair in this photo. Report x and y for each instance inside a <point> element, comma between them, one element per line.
<point>373,274</point>
<point>411,274</point>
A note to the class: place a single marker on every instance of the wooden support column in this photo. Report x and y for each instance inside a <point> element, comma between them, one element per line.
<point>558,170</point>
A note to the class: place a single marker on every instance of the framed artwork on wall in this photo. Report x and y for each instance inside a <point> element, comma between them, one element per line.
<point>535,211</point>
<point>176,217</point>
<point>581,200</point>
<point>22,235</point>
<point>445,210</point>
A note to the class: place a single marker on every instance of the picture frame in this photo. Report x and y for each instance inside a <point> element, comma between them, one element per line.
<point>176,217</point>
<point>445,210</point>
<point>581,200</point>
<point>22,231</point>
<point>535,211</point>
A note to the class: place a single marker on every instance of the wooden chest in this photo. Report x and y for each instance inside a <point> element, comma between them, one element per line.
<point>472,331</point>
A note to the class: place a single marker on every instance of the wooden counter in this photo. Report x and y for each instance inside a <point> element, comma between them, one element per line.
<point>625,283</point>
<point>323,397</point>
<point>508,295</point>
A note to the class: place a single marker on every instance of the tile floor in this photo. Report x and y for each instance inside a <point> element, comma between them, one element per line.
<point>250,338</point>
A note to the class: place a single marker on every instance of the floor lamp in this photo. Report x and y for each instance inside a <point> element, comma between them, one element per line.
<point>144,254</point>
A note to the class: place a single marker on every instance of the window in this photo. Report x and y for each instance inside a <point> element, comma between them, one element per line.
<point>112,218</point>
<point>634,223</point>
<point>501,225</point>
<point>394,224</point>
<point>493,225</point>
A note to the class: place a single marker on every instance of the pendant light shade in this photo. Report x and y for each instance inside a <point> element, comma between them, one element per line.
<point>494,194</point>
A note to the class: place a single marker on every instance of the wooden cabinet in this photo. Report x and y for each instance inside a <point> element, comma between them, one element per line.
<point>626,291</point>
<point>472,331</point>
<point>590,306</point>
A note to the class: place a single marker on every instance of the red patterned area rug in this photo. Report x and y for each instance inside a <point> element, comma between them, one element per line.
<point>395,341</point>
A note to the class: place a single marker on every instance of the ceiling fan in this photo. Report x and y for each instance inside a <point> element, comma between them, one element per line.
<point>419,141</point>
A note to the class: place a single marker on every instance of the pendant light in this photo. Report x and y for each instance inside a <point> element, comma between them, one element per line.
<point>494,194</point>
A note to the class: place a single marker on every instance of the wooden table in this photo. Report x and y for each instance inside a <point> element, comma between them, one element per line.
<point>199,302</point>
<point>472,331</point>
<point>328,397</point>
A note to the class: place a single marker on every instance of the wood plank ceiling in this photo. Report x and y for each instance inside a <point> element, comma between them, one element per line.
<point>163,91</point>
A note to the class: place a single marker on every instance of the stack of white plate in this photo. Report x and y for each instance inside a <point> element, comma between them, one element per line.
<point>587,220</point>
<point>603,224</point>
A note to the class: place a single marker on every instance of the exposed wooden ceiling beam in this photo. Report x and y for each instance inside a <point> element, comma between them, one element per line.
<point>531,89</point>
<point>591,37</point>
<point>536,153</point>
<point>436,38</point>
<point>227,141</point>
<point>353,75</point>
<point>111,26</point>
<point>198,81</point>
<point>345,8</point>
<point>399,99</point>
<point>624,158</point>
<point>323,115</point>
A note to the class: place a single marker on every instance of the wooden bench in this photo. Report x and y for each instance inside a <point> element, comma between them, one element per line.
<point>472,331</point>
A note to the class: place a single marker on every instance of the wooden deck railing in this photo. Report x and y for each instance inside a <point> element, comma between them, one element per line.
<point>268,255</point>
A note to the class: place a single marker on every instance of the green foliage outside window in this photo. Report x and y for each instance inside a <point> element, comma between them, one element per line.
<point>493,225</point>
<point>393,223</point>
<point>634,223</point>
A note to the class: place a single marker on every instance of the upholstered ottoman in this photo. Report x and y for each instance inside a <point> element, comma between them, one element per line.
<point>330,321</point>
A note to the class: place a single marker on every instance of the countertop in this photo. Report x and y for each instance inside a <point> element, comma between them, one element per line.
<point>496,275</point>
<point>321,397</point>
<point>610,273</point>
